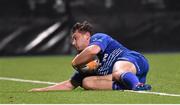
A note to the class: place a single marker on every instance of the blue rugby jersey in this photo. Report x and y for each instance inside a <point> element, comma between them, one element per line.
<point>111,51</point>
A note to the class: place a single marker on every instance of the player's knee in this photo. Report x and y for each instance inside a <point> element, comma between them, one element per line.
<point>116,75</point>
<point>87,83</point>
<point>121,67</point>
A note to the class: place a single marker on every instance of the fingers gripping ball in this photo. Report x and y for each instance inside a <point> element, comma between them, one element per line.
<point>92,65</point>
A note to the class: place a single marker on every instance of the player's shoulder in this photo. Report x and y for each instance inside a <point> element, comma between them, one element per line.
<point>100,35</point>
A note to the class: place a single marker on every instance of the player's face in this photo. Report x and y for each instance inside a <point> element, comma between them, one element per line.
<point>80,40</point>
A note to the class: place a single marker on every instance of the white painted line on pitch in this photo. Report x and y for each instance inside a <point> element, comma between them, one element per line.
<point>52,83</point>
<point>27,81</point>
<point>157,93</point>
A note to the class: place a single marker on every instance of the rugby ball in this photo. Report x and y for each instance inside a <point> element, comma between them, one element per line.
<point>91,66</point>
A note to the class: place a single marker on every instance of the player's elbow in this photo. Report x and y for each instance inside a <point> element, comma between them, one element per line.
<point>74,64</point>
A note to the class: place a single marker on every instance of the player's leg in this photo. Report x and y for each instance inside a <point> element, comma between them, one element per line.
<point>98,82</point>
<point>125,72</point>
<point>102,83</point>
<point>131,71</point>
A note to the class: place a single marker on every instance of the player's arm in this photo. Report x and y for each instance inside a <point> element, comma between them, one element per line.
<point>65,85</point>
<point>85,56</point>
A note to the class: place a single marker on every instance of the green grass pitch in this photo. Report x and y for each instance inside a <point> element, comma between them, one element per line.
<point>164,76</point>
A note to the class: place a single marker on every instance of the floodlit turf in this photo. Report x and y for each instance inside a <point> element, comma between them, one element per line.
<point>164,76</point>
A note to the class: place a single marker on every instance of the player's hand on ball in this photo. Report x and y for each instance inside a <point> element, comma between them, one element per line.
<point>92,65</point>
<point>89,67</point>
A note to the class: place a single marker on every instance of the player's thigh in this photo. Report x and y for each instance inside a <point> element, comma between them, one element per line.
<point>95,78</point>
<point>97,82</point>
<point>121,67</point>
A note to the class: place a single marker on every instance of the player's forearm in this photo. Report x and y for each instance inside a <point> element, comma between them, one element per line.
<point>84,57</point>
<point>66,85</point>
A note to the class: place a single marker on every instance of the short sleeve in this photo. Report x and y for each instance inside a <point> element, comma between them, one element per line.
<point>102,40</point>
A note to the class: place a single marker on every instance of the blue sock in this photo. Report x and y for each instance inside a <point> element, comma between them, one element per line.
<point>129,79</point>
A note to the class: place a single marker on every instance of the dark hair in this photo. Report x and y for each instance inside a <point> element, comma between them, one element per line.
<point>84,27</point>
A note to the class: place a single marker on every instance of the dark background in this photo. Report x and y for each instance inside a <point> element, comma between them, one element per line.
<point>42,27</point>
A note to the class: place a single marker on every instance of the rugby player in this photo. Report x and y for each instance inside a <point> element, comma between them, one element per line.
<point>119,69</point>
